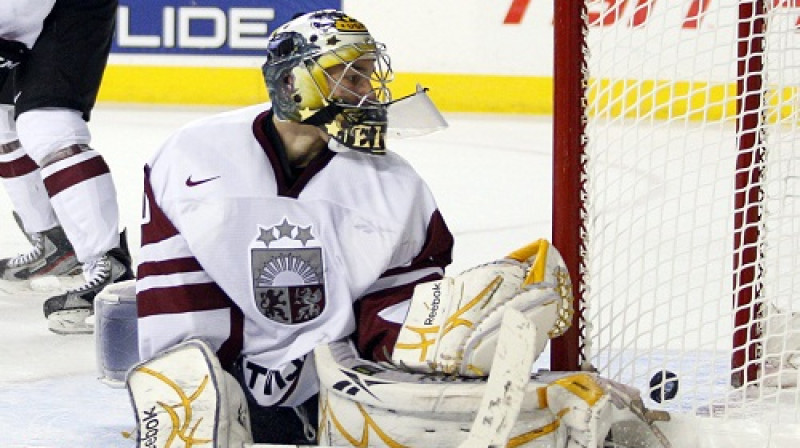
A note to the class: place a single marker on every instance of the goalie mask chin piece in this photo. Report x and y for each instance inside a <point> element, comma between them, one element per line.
<point>352,127</point>
<point>366,128</point>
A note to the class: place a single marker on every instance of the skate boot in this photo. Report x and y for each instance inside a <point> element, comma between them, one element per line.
<point>51,254</point>
<point>68,313</point>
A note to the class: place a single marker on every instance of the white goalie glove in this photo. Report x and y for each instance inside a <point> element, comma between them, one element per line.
<point>453,323</point>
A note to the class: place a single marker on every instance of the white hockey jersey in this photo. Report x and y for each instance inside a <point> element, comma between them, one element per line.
<point>265,271</point>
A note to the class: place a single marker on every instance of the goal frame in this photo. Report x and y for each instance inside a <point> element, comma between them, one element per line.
<point>570,78</point>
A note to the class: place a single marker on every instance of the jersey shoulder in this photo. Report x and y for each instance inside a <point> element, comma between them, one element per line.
<point>203,138</point>
<point>218,147</point>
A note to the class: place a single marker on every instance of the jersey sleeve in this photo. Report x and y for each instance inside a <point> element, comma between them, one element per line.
<point>176,298</point>
<point>376,331</point>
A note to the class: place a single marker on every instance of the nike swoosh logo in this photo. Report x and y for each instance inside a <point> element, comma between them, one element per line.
<point>194,183</point>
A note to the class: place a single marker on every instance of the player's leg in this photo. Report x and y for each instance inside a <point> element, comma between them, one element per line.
<point>58,87</point>
<point>50,253</point>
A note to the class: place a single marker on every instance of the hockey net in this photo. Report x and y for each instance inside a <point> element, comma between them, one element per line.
<point>677,198</point>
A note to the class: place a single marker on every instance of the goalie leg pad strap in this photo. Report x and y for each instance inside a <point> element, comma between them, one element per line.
<point>182,397</point>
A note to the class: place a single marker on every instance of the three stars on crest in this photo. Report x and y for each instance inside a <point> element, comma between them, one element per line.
<point>285,230</point>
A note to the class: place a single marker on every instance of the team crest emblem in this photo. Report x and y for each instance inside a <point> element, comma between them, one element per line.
<point>288,282</point>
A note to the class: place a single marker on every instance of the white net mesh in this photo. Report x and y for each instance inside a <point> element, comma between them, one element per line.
<point>661,167</point>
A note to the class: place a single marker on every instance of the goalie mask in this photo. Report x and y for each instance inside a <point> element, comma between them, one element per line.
<point>325,69</point>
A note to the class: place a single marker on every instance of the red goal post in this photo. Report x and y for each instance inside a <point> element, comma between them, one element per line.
<point>676,195</point>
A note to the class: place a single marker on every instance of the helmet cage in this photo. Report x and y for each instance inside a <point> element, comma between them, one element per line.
<point>379,78</point>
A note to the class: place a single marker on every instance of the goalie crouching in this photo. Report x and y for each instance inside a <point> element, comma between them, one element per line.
<point>430,393</point>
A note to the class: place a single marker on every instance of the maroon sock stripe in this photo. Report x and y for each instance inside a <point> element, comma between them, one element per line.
<point>18,167</point>
<point>75,174</point>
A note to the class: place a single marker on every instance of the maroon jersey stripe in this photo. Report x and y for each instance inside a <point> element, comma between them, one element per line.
<point>375,337</point>
<point>158,227</point>
<point>181,299</point>
<point>173,266</point>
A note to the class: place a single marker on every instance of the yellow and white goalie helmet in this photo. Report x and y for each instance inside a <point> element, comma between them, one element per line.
<point>300,54</point>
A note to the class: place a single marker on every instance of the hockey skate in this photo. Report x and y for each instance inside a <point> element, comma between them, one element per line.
<point>68,313</point>
<point>51,254</point>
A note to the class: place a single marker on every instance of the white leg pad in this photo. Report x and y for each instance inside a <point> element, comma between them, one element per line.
<point>183,398</point>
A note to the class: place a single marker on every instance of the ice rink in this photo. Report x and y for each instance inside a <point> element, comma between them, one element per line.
<point>491,175</point>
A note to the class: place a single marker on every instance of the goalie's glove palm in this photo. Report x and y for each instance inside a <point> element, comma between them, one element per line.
<point>453,323</point>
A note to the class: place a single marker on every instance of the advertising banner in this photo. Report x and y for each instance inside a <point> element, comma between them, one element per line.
<point>204,27</point>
